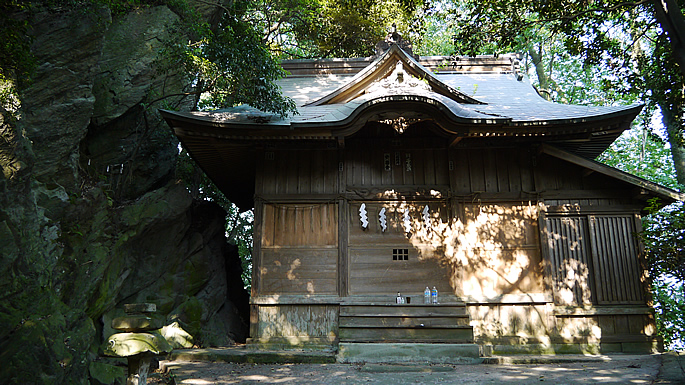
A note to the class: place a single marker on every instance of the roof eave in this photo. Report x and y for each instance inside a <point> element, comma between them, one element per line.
<point>656,190</point>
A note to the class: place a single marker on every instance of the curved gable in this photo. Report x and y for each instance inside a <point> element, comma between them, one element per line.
<point>396,71</point>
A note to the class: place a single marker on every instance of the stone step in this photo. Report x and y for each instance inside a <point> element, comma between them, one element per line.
<point>140,308</point>
<point>239,354</point>
<point>419,310</point>
<point>349,352</point>
<point>401,321</point>
<point>446,334</point>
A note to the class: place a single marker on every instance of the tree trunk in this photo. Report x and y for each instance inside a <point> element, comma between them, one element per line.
<point>671,20</point>
<point>543,79</point>
<point>674,128</point>
<point>547,84</point>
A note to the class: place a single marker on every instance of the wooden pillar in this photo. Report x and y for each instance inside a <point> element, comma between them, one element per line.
<point>343,213</point>
<point>543,239</point>
<point>343,208</point>
<point>258,225</point>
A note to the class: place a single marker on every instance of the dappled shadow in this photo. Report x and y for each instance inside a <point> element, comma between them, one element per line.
<point>490,249</point>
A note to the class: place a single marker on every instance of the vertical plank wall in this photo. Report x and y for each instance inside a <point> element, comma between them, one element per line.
<point>594,260</point>
<point>299,245</point>
<point>614,249</point>
<point>570,260</point>
<point>299,249</point>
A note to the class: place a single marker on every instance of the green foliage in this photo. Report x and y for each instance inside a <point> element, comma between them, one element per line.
<point>242,70</point>
<point>331,28</point>
<point>434,36</point>
<point>669,305</point>
<point>502,25</point>
<point>664,239</point>
<point>664,235</point>
<point>238,224</point>
<point>239,228</point>
<point>643,154</point>
<point>16,61</point>
<point>228,65</point>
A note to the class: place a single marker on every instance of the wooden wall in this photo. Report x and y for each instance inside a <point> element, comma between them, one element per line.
<point>498,248</point>
<point>372,269</point>
<point>492,170</point>
<point>484,201</point>
<point>298,171</point>
<point>514,232</point>
<point>593,259</point>
<point>299,249</point>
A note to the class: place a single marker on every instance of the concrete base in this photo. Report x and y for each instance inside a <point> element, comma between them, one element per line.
<point>240,354</point>
<point>291,343</point>
<point>647,347</point>
<point>409,352</point>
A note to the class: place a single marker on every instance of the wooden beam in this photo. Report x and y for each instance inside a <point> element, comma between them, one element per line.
<point>658,190</point>
<point>298,198</point>
<point>584,210</point>
<point>570,311</point>
<point>455,140</point>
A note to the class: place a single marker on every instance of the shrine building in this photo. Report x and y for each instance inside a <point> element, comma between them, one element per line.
<point>400,173</point>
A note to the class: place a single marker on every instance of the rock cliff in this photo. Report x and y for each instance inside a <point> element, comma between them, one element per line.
<point>91,213</point>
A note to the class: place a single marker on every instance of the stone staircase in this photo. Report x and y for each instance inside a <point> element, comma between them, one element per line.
<point>384,332</point>
<point>448,323</point>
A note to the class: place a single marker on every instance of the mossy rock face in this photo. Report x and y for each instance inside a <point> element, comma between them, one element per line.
<point>189,315</point>
<point>77,241</point>
<point>106,374</point>
<point>48,349</point>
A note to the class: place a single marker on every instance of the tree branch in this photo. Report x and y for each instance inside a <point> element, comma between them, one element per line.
<point>670,18</point>
<point>591,10</point>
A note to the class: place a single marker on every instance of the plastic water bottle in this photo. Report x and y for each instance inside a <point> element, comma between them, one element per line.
<point>434,295</point>
<point>399,298</point>
<point>427,296</point>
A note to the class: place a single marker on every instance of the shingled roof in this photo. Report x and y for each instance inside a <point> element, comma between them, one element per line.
<point>473,101</point>
<point>466,97</point>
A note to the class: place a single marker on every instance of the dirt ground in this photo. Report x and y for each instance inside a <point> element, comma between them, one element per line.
<point>616,370</point>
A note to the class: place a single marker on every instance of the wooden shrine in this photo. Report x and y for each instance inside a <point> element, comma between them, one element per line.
<point>401,173</point>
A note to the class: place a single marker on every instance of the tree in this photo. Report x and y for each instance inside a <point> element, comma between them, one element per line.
<point>629,38</point>
<point>330,28</point>
<point>615,51</point>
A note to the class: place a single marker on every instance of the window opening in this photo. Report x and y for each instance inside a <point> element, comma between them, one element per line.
<point>400,254</point>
